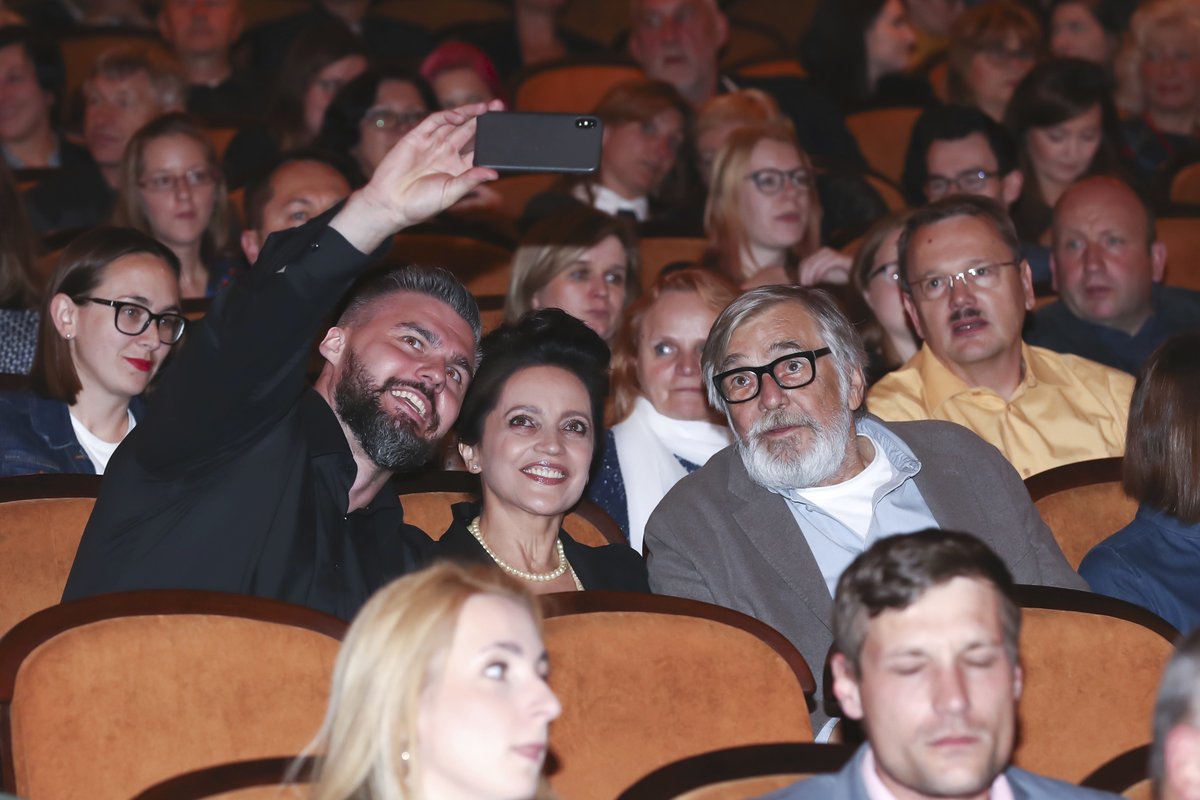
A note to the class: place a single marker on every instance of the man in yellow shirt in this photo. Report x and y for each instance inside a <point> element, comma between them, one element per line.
<point>967,290</point>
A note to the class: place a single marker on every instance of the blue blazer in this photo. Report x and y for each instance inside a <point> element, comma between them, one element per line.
<point>848,785</point>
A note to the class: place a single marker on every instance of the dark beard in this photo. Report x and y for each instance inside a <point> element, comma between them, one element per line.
<point>394,443</point>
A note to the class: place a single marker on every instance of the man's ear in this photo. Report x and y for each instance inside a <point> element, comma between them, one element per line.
<point>1027,285</point>
<point>1010,186</point>
<point>333,346</point>
<point>845,686</point>
<point>911,308</point>
<point>1158,261</point>
<point>251,245</point>
<point>64,315</point>
<point>722,24</point>
<point>1018,681</point>
<point>164,30</point>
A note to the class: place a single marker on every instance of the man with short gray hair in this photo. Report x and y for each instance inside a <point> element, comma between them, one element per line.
<point>767,525</point>
<point>1175,755</point>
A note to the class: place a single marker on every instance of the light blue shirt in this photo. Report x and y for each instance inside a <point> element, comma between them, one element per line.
<point>898,508</point>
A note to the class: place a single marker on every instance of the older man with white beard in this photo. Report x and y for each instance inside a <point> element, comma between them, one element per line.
<point>767,525</point>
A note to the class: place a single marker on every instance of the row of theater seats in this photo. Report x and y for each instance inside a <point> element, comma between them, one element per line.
<point>109,696</point>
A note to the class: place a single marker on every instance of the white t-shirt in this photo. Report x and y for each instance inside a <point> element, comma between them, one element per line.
<point>852,502</point>
<point>98,451</point>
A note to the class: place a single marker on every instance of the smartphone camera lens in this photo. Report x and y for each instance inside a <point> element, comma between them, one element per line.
<point>585,122</point>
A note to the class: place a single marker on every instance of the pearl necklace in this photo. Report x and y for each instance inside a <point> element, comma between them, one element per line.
<point>563,564</point>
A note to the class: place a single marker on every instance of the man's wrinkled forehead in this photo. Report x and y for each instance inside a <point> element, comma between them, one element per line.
<point>645,12</point>
<point>769,332</point>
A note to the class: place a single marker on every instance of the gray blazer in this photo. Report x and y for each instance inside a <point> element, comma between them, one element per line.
<point>719,537</point>
<point>848,785</point>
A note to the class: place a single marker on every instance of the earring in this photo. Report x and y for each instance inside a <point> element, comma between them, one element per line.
<point>68,336</point>
<point>474,467</point>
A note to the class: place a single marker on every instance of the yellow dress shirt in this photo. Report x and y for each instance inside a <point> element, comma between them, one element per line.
<point>1066,409</point>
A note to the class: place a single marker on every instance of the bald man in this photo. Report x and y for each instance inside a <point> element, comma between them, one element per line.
<point>1108,266</point>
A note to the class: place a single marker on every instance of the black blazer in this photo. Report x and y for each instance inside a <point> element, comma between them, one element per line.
<point>613,567</point>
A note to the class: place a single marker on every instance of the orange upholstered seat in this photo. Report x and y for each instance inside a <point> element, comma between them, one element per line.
<point>1185,186</point>
<point>882,135</point>
<point>1083,503</point>
<point>737,773</point>
<point>106,696</point>
<point>1091,666</point>
<point>42,518</point>
<point>1182,238</point>
<point>1127,775</point>
<point>571,85</point>
<point>257,779</point>
<point>659,252</point>
<point>427,499</point>
<point>646,680</point>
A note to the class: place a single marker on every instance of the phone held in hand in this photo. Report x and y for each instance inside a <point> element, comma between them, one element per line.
<point>516,141</point>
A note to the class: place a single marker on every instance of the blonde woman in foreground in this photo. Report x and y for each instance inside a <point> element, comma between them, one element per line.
<point>439,693</point>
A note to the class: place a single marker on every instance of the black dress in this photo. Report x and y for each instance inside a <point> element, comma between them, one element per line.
<point>612,567</point>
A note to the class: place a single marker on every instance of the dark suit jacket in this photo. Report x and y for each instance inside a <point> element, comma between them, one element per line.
<point>613,567</point>
<point>848,785</point>
<point>719,537</point>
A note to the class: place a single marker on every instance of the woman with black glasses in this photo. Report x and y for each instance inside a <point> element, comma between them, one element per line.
<point>109,319</point>
<point>764,217</point>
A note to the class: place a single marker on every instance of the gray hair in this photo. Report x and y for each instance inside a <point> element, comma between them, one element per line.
<point>1178,702</point>
<point>836,332</point>
<point>163,71</point>
<point>435,282</point>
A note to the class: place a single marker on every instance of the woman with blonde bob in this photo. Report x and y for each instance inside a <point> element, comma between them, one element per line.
<point>580,260</point>
<point>662,425</point>
<point>173,189</point>
<point>439,692</point>
<point>763,216</point>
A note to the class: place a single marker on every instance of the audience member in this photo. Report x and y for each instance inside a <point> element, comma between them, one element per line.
<point>579,260</point>
<point>1152,561</point>
<point>31,88</point>
<point>439,691</point>
<point>370,113</point>
<point>1108,268</point>
<point>275,489</point>
<point>678,41</point>
<point>460,73</point>
<point>1175,757</point>
<point>126,88</point>
<point>1160,90</point>
<point>172,189</point>
<point>662,425</point>
<point>858,53</point>
<point>1065,125</point>
<point>300,185</point>
<point>530,427</point>
<point>18,295</point>
<point>320,63</point>
<point>109,320</point>
<point>926,656</point>
<point>1089,29</point>
<point>272,44</point>
<point>993,46</point>
<point>960,149</point>
<point>644,170</point>
<point>767,526</point>
<point>202,33</point>
<point>966,289</point>
<point>875,275</point>
<point>763,216</point>
<point>530,37</point>
<point>722,115</point>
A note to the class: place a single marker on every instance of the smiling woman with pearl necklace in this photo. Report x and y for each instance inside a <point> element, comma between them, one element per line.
<point>529,427</point>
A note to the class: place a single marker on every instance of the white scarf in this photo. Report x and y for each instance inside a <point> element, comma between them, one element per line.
<point>647,445</point>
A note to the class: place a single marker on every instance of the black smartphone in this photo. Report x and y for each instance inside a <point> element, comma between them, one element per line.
<point>516,141</point>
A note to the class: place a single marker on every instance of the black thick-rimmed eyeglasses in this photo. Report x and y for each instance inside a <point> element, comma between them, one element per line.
<point>789,372</point>
<point>132,318</point>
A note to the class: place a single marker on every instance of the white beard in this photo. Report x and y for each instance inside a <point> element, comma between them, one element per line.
<point>779,466</point>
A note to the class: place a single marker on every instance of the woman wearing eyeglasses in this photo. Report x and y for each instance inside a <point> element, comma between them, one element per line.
<point>875,277</point>
<point>172,188</point>
<point>110,317</point>
<point>763,216</point>
<point>370,114</point>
